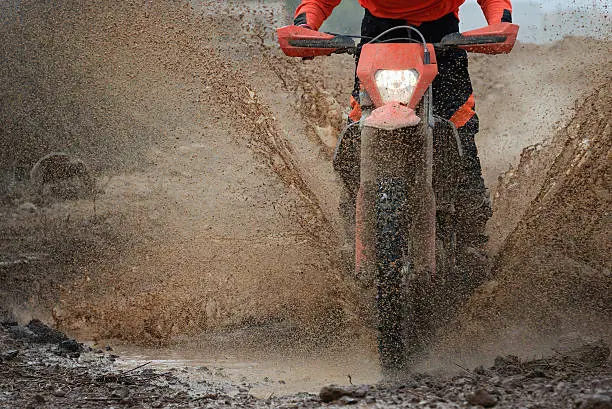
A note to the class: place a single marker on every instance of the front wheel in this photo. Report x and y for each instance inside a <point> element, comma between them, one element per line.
<point>392,263</point>
<point>392,243</point>
<point>406,301</point>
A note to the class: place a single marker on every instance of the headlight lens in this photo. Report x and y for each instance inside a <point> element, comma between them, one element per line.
<point>397,86</point>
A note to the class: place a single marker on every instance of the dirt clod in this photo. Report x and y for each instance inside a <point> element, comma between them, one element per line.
<point>9,355</point>
<point>120,393</point>
<point>70,346</point>
<point>332,392</point>
<point>44,334</point>
<point>482,398</point>
<point>598,401</point>
<point>346,394</point>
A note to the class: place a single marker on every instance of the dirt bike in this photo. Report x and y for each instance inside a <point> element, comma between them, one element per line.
<point>404,236</point>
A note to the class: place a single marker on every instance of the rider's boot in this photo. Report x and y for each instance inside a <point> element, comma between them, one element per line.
<point>346,165</point>
<point>473,207</point>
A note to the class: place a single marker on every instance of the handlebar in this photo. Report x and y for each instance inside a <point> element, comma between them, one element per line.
<point>494,39</point>
<point>302,42</point>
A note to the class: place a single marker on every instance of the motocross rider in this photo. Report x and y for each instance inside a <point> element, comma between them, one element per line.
<point>452,93</point>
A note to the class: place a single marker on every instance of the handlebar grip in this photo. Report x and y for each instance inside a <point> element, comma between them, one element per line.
<point>494,39</point>
<point>338,43</point>
<point>458,39</point>
<point>302,42</point>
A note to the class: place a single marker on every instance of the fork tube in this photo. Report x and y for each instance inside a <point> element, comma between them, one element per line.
<point>425,220</point>
<point>384,155</point>
<point>365,247</point>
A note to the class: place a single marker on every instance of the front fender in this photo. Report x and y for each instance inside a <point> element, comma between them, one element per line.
<point>392,116</point>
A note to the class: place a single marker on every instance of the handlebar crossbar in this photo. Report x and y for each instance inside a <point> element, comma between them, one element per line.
<point>302,42</point>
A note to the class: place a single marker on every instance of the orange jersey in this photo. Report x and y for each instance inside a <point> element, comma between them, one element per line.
<point>415,12</point>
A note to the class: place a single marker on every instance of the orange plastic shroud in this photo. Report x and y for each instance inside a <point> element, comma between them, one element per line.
<point>296,41</point>
<point>303,42</point>
<point>396,56</point>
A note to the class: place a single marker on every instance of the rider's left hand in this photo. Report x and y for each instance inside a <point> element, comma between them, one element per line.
<point>301,21</point>
<point>507,16</point>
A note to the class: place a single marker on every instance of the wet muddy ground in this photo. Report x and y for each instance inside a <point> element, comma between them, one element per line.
<point>41,367</point>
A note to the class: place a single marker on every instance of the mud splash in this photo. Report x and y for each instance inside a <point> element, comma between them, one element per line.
<point>226,229</point>
<point>552,276</point>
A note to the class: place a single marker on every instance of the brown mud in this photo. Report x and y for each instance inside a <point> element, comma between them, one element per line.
<point>213,229</point>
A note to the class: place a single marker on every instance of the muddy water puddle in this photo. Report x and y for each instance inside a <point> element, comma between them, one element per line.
<point>262,374</point>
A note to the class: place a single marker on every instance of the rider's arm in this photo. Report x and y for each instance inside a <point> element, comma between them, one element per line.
<point>497,11</point>
<point>313,13</point>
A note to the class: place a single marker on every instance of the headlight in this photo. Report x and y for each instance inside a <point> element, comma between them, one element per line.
<point>396,86</point>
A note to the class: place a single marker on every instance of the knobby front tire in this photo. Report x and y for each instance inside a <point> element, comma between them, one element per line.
<point>392,262</point>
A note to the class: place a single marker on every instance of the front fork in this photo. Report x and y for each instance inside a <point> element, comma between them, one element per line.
<point>425,196</point>
<point>407,154</point>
